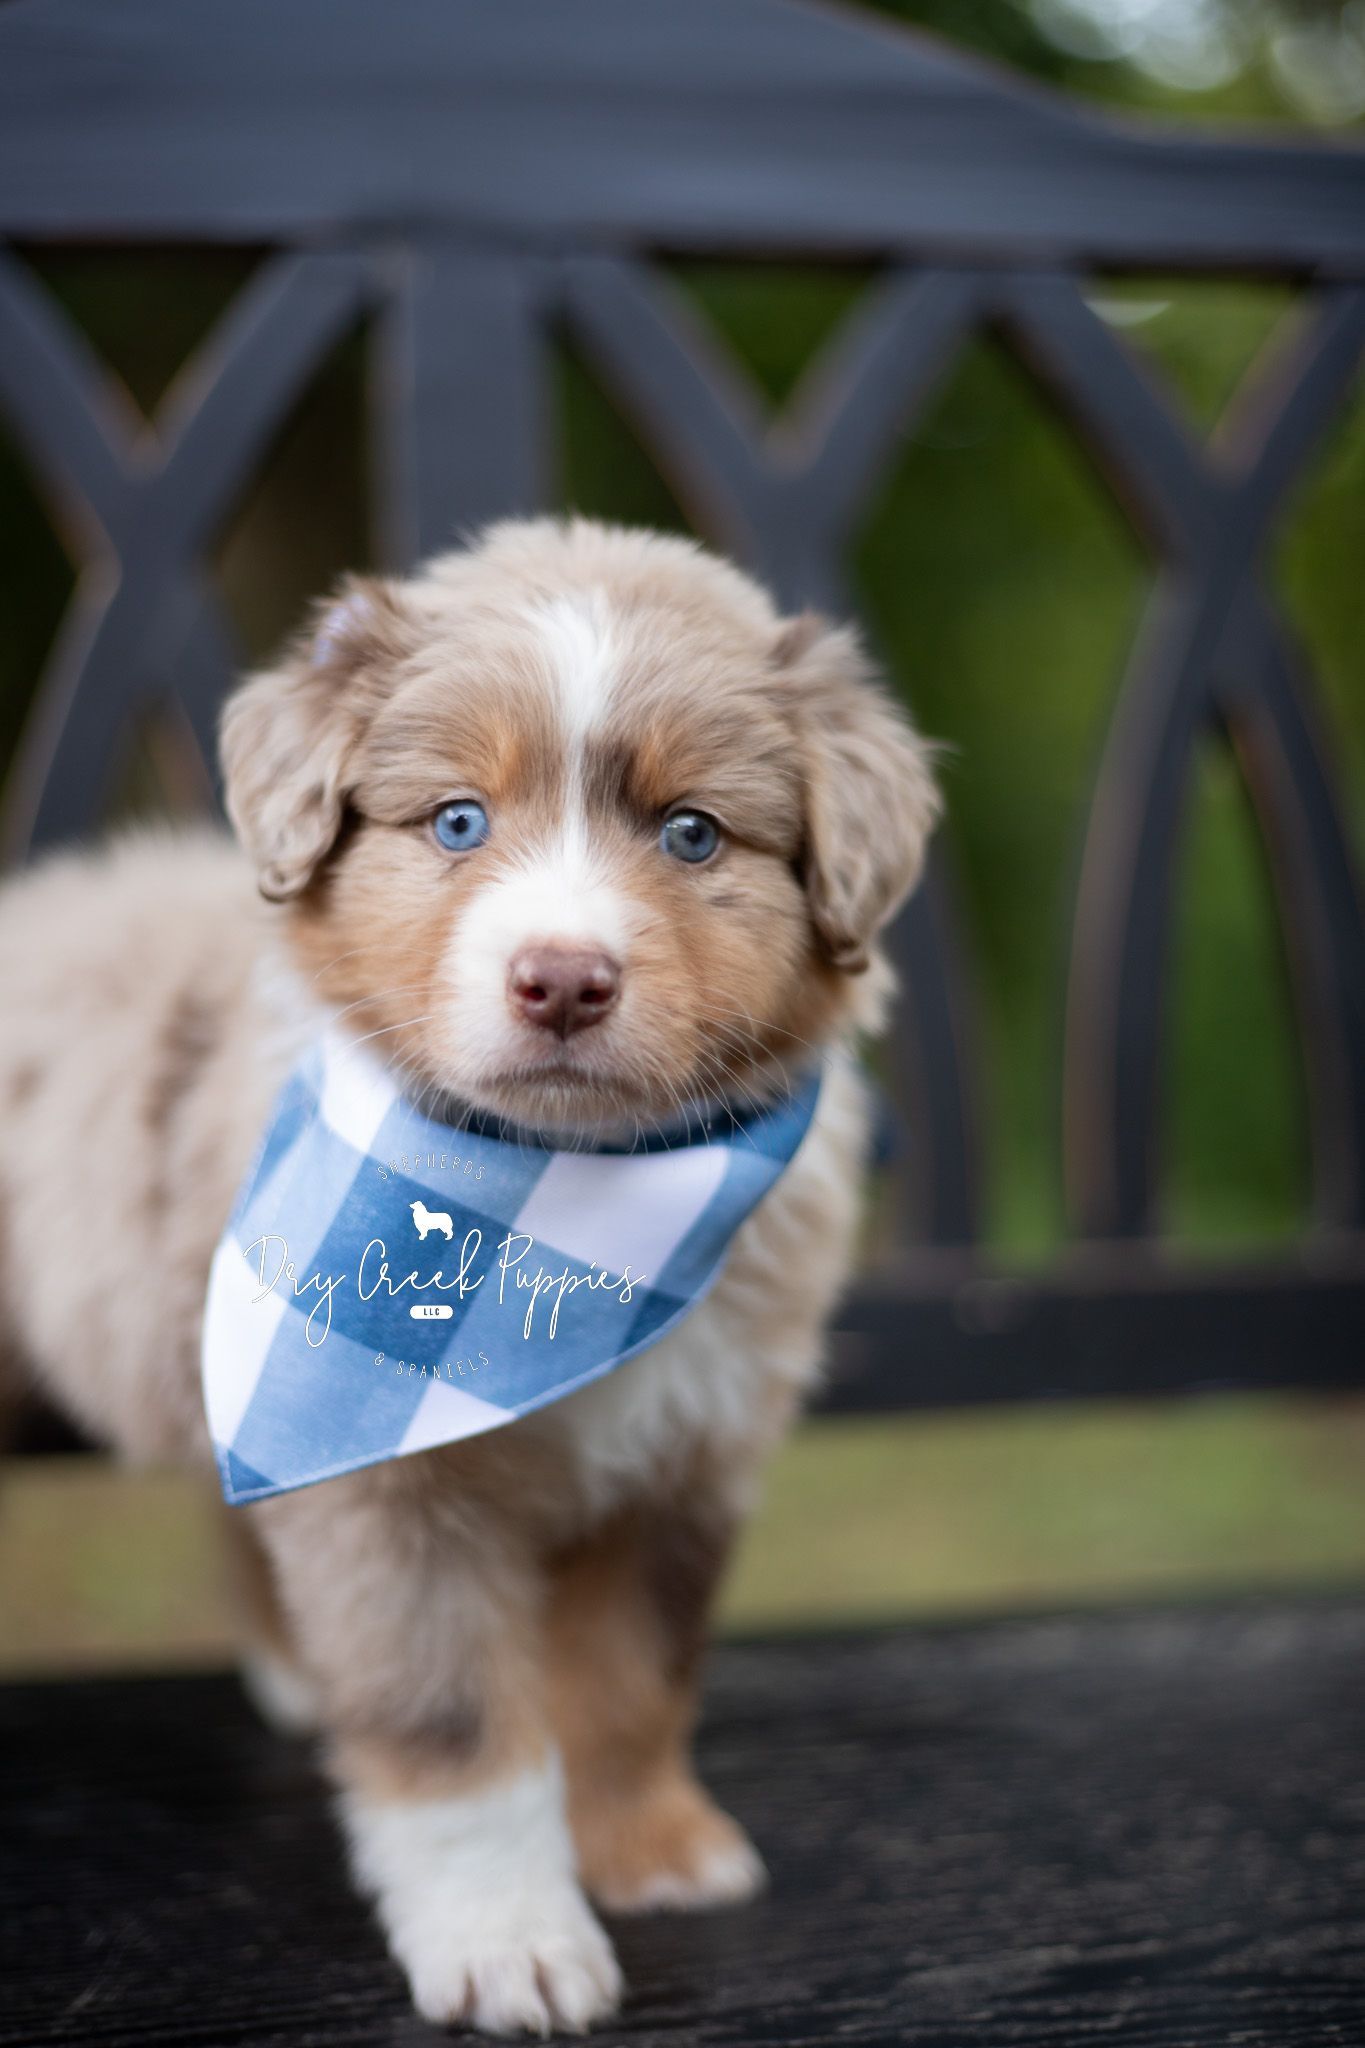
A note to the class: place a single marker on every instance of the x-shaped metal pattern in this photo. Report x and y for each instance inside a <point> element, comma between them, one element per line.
<point>783,496</point>
<point>145,502</point>
<point>1212,651</point>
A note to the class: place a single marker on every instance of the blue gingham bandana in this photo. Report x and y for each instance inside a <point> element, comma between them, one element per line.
<point>387,1283</point>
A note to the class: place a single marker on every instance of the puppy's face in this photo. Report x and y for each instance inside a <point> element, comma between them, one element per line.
<point>574,829</point>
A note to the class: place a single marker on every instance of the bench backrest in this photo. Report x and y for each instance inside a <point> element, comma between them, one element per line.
<point>468,178</point>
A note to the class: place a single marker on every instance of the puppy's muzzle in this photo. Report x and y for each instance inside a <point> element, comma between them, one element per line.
<point>563,989</point>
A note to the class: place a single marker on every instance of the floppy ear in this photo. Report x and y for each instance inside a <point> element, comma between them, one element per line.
<point>871,800</point>
<point>287,737</point>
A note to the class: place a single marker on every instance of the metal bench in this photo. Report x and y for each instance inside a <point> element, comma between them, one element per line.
<point>1141,1826</point>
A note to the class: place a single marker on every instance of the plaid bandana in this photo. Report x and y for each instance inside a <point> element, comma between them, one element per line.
<point>387,1283</point>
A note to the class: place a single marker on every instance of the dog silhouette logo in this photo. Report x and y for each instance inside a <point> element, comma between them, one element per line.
<point>425,1220</point>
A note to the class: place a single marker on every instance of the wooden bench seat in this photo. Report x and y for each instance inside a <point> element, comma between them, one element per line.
<point>1123,1828</point>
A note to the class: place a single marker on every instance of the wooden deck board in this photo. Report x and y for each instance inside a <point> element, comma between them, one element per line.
<point>1124,1828</point>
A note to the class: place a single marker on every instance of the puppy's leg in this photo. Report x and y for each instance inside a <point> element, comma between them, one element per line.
<point>627,1625</point>
<point>272,1676</point>
<point>421,1633</point>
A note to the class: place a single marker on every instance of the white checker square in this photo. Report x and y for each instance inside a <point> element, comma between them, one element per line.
<point>237,1338</point>
<point>446,1413</point>
<point>586,1206</point>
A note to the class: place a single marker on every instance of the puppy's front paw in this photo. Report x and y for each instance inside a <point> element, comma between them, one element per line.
<point>674,1849</point>
<point>541,1965</point>
<point>481,1906</point>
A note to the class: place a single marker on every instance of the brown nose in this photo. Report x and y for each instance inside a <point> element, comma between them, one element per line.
<point>563,988</point>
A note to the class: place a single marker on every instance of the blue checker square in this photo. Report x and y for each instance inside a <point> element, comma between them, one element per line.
<point>593,1328</point>
<point>497,1178</point>
<point>331,1409</point>
<point>373,1212</point>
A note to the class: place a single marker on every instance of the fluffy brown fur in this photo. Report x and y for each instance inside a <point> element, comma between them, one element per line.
<point>499,1640</point>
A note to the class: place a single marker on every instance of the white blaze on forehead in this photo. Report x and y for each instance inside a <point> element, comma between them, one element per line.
<point>577,633</point>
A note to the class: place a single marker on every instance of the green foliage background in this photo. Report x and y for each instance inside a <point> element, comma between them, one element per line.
<point>1002,586</point>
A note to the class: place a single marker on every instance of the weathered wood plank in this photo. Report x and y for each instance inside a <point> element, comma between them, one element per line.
<point>1139,1828</point>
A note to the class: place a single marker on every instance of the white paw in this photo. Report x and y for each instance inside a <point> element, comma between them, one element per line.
<point>547,1968</point>
<point>482,1908</point>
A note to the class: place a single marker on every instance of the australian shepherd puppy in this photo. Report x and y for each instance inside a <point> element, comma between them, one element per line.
<point>573,828</point>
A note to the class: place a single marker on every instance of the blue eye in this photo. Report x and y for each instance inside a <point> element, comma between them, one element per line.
<point>690,836</point>
<point>461,825</point>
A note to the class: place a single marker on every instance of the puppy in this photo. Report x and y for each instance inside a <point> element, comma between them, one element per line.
<point>573,830</point>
